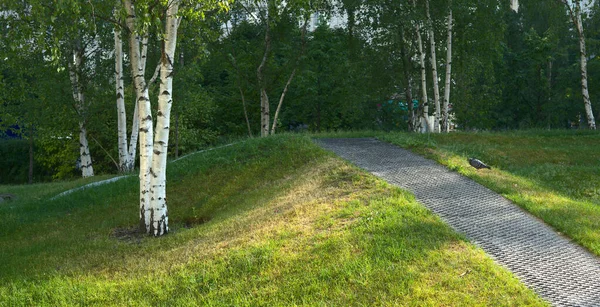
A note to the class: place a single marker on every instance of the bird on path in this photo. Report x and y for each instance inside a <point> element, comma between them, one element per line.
<point>478,164</point>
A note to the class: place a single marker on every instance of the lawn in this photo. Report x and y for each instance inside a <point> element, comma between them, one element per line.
<point>267,222</point>
<point>555,175</point>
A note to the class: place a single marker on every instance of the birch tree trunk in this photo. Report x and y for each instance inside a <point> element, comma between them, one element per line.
<point>87,170</point>
<point>138,66</point>
<point>436,87</point>
<point>583,60</point>
<point>133,139</point>
<point>514,5</point>
<point>287,84</point>
<point>239,84</point>
<point>121,114</point>
<point>159,217</point>
<point>264,98</point>
<point>281,100</point>
<point>424,124</point>
<point>445,123</point>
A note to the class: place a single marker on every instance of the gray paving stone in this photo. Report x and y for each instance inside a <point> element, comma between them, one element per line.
<point>561,272</point>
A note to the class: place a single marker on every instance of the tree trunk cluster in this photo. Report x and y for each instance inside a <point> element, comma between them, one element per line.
<point>422,121</point>
<point>154,141</point>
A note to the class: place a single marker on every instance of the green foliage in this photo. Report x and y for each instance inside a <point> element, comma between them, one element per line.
<point>59,154</point>
<point>330,93</point>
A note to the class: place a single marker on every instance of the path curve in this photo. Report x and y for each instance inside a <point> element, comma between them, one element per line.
<point>561,272</point>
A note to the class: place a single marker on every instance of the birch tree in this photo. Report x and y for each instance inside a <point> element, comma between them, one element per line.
<point>126,152</point>
<point>575,14</point>
<point>445,122</point>
<point>425,125</point>
<point>434,74</point>
<point>154,218</point>
<point>75,71</point>
<point>269,14</point>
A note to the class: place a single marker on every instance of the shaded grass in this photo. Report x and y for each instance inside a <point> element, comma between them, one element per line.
<point>552,174</point>
<point>40,191</point>
<point>269,222</point>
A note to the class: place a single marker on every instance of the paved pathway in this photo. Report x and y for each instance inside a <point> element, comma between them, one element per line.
<point>561,272</point>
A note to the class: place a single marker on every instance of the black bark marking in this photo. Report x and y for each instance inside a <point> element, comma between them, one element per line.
<point>143,218</point>
<point>156,152</point>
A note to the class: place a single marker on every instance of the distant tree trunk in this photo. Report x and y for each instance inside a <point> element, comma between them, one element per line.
<point>407,82</point>
<point>264,98</point>
<point>281,100</point>
<point>138,66</point>
<point>514,5</point>
<point>30,181</point>
<point>424,105</point>
<point>287,84</point>
<point>176,134</point>
<point>575,13</point>
<point>239,84</point>
<point>436,87</point>
<point>159,217</point>
<point>84,151</point>
<point>583,60</point>
<point>245,112</point>
<point>75,67</point>
<point>445,123</point>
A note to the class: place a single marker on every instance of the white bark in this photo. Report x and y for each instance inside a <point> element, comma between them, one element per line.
<point>436,87</point>
<point>159,218</point>
<point>133,139</point>
<point>445,123</point>
<point>583,61</point>
<point>144,113</point>
<point>281,101</point>
<point>87,170</point>
<point>84,152</point>
<point>121,114</point>
<point>264,98</point>
<point>424,117</point>
<point>514,5</point>
<point>425,124</point>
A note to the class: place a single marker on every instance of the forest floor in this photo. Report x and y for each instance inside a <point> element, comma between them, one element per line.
<point>275,221</point>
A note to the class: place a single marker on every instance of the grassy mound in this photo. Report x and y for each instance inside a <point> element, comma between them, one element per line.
<point>271,222</point>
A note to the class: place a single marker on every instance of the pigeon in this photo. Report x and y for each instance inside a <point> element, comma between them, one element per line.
<point>478,164</point>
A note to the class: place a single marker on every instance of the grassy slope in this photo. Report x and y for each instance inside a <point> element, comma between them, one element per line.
<point>552,174</point>
<point>268,222</point>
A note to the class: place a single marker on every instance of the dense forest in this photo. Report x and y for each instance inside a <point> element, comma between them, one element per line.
<point>69,88</point>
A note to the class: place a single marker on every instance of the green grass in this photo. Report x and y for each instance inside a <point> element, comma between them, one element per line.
<point>268,222</point>
<point>42,191</point>
<point>552,174</point>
